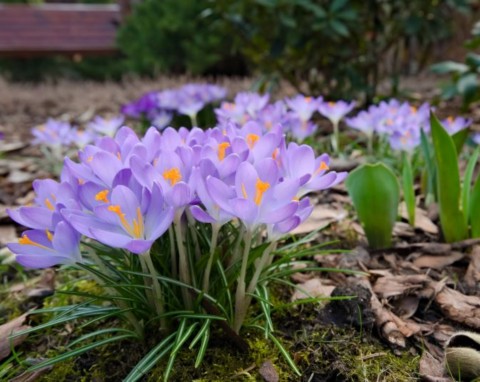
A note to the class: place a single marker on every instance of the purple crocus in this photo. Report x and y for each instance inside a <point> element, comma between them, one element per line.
<point>257,196</point>
<point>335,111</point>
<point>105,126</point>
<point>53,133</point>
<point>405,139</point>
<point>125,219</point>
<point>44,248</point>
<point>304,107</point>
<point>454,125</point>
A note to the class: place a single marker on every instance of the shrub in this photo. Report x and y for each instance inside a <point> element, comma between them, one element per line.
<point>337,48</point>
<point>172,36</point>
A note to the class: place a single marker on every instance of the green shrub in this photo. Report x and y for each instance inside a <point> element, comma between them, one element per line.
<point>172,36</point>
<point>338,47</point>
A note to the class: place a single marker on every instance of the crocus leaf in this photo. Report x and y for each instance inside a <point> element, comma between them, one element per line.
<point>408,191</point>
<point>459,139</point>
<point>452,219</point>
<point>475,209</point>
<point>375,193</point>
<point>430,168</point>
<point>467,184</point>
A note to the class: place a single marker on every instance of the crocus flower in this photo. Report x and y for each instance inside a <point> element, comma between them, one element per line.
<point>125,220</point>
<point>44,248</point>
<point>257,197</point>
<point>363,121</point>
<point>335,111</point>
<point>303,107</point>
<point>454,125</point>
<point>53,133</point>
<point>405,139</point>
<point>105,126</point>
<point>476,138</point>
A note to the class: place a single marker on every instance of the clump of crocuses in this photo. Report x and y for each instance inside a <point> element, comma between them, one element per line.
<point>192,208</point>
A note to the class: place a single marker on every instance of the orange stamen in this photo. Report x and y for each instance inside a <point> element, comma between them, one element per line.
<point>49,235</point>
<point>102,196</point>
<point>49,204</point>
<point>173,176</point>
<point>25,240</point>
<point>252,139</point>
<point>222,147</point>
<point>260,189</point>
<point>323,166</point>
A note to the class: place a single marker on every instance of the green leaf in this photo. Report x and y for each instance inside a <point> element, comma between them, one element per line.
<point>430,169</point>
<point>375,193</point>
<point>449,67</point>
<point>459,139</point>
<point>336,5</point>
<point>150,359</point>
<point>408,191</point>
<point>475,209</point>
<point>452,220</point>
<point>339,28</point>
<point>473,60</point>
<point>467,184</point>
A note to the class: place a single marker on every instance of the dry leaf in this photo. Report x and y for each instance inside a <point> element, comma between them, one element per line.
<point>430,366</point>
<point>403,229</point>
<point>8,234</point>
<point>312,288</point>
<point>268,372</point>
<point>422,221</point>
<point>386,287</point>
<point>11,327</point>
<point>472,277</point>
<point>438,262</point>
<point>459,307</point>
<point>406,306</point>
<point>322,216</point>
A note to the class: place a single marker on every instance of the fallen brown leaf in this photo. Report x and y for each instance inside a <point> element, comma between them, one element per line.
<point>268,372</point>
<point>431,367</point>
<point>438,262</point>
<point>422,221</point>
<point>8,234</point>
<point>312,288</point>
<point>12,327</point>
<point>472,277</point>
<point>322,216</point>
<point>459,307</point>
<point>386,287</point>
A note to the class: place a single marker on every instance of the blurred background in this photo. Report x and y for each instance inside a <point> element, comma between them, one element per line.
<point>352,49</point>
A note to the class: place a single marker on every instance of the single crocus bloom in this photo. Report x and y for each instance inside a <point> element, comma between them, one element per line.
<point>106,126</point>
<point>335,111</point>
<point>303,107</point>
<point>45,248</point>
<point>125,220</point>
<point>454,125</point>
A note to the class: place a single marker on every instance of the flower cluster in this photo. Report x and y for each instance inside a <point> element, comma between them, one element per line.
<point>125,191</point>
<point>158,107</point>
<point>59,134</point>
<point>401,123</point>
<point>292,116</point>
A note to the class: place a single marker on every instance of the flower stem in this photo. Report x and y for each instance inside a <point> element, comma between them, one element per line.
<point>236,250</point>
<point>193,119</point>
<point>173,255</point>
<point>183,266</point>
<point>157,290</point>
<point>370,144</point>
<point>335,138</point>
<point>240,308</point>
<point>259,266</point>
<point>191,224</point>
<point>213,246</point>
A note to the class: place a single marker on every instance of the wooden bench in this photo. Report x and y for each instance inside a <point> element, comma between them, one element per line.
<point>68,29</point>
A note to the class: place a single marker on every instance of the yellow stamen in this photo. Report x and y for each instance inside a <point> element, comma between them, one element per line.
<point>25,240</point>
<point>102,196</point>
<point>173,176</point>
<point>136,228</point>
<point>296,199</point>
<point>389,122</point>
<point>331,104</point>
<point>450,119</point>
<point>119,156</point>
<point>49,235</point>
<point>260,189</point>
<point>81,181</point>
<point>228,106</point>
<point>90,158</point>
<point>252,139</point>
<point>244,191</point>
<point>413,109</point>
<point>268,125</point>
<point>49,204</point>
<point>275,154</point>
<point>308,99</point>
<point>222,147</point>
<point>323,166</point>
